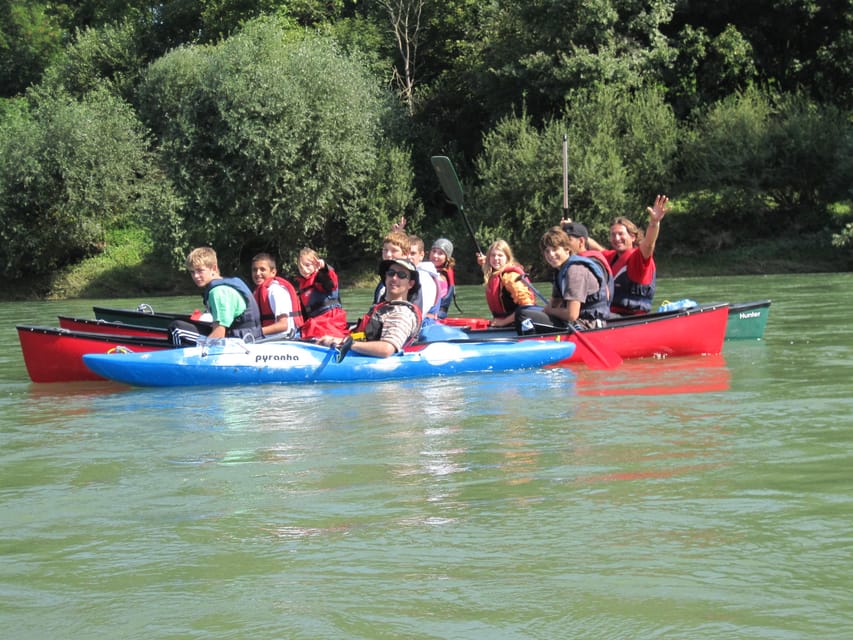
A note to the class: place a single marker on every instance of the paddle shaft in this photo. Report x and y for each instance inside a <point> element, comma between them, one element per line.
<point>600,360</point>
<point>565,177</point>
<point>453,190</point>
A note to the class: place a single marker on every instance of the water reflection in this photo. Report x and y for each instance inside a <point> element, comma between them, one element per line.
<point>650,376</point>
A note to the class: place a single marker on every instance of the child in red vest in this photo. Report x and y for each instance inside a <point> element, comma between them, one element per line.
<point>318,290</point>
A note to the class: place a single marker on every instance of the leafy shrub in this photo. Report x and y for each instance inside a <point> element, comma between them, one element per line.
<point>621,149</point>
<point>68,170</point>
<point>275,139</point>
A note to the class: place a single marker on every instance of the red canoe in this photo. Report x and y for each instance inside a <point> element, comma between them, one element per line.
<point>700,330</point>
<point>56,355</point>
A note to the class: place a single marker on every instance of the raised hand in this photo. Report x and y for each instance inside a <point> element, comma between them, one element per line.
<point>659,210</point>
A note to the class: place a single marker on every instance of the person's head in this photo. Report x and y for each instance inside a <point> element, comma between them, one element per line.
<point>306,262</point>
<point>263,268</point>
<point>395,244</point>
<point>400,277</point>
<point>202,265</point>
<point>416,250</point>
<point>499,255</point>
<point>578,236</point>
<point>556,246</point>
<point>441,253</point>
<point>624,234</point>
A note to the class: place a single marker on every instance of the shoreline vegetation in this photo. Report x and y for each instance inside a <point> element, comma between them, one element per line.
<point>127,269</point>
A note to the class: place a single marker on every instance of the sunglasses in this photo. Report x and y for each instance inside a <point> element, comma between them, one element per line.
<point>403,275</point>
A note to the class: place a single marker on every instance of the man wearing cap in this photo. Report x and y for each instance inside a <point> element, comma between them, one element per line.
<point>391,323</point>
<point>582,285</point>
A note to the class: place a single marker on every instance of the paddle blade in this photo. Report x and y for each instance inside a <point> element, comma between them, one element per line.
<point>594,353</point>
<point>448,179</point>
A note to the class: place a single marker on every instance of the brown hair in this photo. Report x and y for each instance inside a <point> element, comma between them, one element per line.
<point>268,258</point>
<point>553,238</point>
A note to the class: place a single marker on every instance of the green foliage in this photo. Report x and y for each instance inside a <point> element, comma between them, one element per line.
<point>708,67</point>
<point>539,51</point>
<point>275,139</point>
<point>757,160</point>
<point>30,37</point>
<point>108,56</point>
<point>68,170</point>
<point>621,147</point>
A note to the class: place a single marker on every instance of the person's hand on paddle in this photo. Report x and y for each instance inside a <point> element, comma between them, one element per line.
<point>481,259</point>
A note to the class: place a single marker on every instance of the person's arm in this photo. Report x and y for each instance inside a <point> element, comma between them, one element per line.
<point>656,214</point>
<point>568,312</point>
<point>592,244</point>
<point>281,325</point>
<point>217,332</point>
<point>282,307</point>
<point>518,290</point>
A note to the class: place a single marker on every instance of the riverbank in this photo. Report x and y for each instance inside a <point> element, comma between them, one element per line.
<point>126,270</point>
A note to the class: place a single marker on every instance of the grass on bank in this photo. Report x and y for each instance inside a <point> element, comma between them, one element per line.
<point>126,267</point>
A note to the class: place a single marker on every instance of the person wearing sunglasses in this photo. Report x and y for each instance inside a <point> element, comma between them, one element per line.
<point>391,323</point>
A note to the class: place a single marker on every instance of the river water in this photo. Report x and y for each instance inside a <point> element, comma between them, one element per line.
<point>703,498</point>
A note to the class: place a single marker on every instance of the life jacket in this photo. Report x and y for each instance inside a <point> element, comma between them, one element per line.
<point>262,297</point>
<point>498,299</point>
<point>629,297</point>
<point>371,323</point>
<point>597,305</point>
<point>444,303</point>
<point>316,301</point>
<point>248,322</point>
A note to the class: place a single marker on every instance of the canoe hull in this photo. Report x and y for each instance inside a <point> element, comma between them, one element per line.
<point>56,355</point>
<point>688,332</point>
<point>748,320</point>
<point>232,362</point>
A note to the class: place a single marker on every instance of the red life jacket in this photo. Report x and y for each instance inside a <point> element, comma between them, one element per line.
<point>262,296</point>
<point>500,302</point>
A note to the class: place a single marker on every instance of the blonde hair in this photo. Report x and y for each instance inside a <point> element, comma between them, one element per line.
<point>498,245</point>
<point>399,239</point>
<point>202,257</point>
<point>307,252</point>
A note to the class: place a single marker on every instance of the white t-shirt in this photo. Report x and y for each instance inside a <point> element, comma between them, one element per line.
<point>429,289</point>
<point>281,304</point>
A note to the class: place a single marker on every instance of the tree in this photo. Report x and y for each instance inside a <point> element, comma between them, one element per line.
<point>68,170</point>
<point>275,139</point>
<point>405,17</point>
<point>30,37</point>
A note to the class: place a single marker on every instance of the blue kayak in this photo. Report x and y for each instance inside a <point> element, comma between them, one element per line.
<point>232,362</point>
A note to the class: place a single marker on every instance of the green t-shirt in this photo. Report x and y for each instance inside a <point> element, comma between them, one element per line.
<point>225,304</point>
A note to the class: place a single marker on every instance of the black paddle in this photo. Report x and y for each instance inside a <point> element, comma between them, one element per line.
<point>453,190</point>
